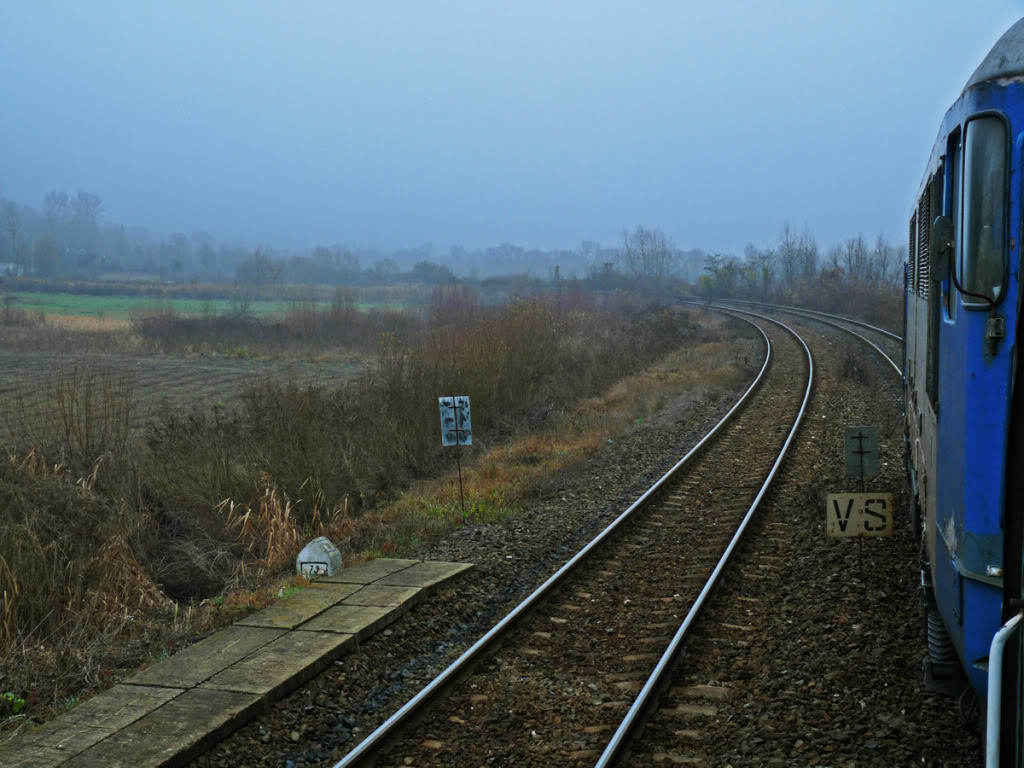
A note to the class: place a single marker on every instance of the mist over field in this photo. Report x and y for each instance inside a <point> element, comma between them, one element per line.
<point>487,137</point>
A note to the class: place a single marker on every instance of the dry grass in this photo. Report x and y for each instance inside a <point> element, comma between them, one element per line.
<point>307,328</point>
<point>81,600</point>
<point>689,370</point>
<point>86,414</point>
<point>116,545</point>
<point>498,481</point>
<point>69,334</point>
<point>113,324</point>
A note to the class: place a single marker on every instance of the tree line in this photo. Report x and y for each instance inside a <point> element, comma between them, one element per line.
<point>68,236</point>
<point>854,277</point>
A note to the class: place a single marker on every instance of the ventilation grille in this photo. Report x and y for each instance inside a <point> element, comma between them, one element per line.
<point>924,232</point>
<point>911,255</point>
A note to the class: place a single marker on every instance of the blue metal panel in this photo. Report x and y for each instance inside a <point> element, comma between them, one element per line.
<point>973,414</point>
<point>982,607</point>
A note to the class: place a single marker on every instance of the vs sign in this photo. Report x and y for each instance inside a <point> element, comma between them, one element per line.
<point>858,514</point>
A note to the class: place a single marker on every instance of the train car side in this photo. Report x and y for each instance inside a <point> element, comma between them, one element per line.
<point>960,363</point>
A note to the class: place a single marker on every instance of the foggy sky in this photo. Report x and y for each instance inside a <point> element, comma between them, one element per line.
<point>542,123</point>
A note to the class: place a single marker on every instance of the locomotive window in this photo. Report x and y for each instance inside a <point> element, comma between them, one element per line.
<point>984,214</point>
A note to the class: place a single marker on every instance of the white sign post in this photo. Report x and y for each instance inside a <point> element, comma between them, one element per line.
<point>859,514</point>
<point>456,430</point>
<point>456,425</point>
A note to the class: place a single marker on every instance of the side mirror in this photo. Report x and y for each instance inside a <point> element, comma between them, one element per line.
<point>941,248</point>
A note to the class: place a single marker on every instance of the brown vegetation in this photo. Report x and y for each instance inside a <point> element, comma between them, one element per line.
<point>116,543</point>
<point>306,324</point>
<point>13,317</point>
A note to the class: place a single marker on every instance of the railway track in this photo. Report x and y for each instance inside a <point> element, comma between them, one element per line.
<point>712,684</point>
<point>570,674</point>
<point>888,345</point>
<point>812,312</point>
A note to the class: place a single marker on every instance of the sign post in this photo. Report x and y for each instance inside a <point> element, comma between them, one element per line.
<point>859,514</point>
<point>456,430</point>
<point>861,447</point>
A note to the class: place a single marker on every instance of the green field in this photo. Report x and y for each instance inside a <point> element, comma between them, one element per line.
<point>97,306</point>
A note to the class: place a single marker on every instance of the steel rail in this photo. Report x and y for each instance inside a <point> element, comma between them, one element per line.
<point>778,308</point>
<point>801,310</point>
<point>878,349</point>
<point>649,694</point>
<point>367,750</point>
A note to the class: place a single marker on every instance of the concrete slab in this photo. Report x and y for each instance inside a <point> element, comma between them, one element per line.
<point>361,621</point>
<point>119,706</point>
<point>428,576</point>
<point>168,714</point>
<point>31,756</point>
<point>173,734</point>
<point>201,661</point>
<point>302,606</point>
<point>386,597</point>
<point>99,717</point>
<point>369,572</point>
<point>64,739</point>
<point>278,667</point>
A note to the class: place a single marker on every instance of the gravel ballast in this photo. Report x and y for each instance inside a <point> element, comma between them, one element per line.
<point>829,674</point>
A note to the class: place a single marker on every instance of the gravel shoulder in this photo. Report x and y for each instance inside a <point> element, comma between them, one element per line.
<point>833,674</point>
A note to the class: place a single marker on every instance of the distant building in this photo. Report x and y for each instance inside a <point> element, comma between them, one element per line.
<point>10,269</point>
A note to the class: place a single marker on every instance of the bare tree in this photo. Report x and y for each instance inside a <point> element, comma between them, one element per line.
<point>807,256</point>
<point>348,264</point>
<point>855,259</point>
<point>887,264</point>
<point>835,258</point>
<point>86,208</point>
<point>762,264</point>
<point>385,270</point>
<point>15,234</point>
<point>56,210</point>
<point>647,253</point>
<point>788,253</point>
<point>259,269</point>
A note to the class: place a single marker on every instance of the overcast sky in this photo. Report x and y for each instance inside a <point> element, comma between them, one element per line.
<point>541,123</point>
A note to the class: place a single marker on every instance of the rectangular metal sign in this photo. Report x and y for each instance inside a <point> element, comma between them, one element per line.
<point>861,448</point>
<point>456,426</point>
<point>858,514</point>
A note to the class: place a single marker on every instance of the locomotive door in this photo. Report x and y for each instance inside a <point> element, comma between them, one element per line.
<point>975,354</point>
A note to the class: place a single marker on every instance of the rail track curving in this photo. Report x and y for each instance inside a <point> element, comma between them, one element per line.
<point>569,674</point>
<point>814,312</point>
<point>689,696</point>
<point>888,346</point>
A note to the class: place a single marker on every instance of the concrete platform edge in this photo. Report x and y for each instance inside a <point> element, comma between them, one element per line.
<point>179,740</point>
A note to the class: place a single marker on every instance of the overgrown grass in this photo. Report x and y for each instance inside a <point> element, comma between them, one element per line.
<point>498,482</point>
<point>116,544</point>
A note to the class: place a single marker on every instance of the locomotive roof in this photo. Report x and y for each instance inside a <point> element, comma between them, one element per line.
<point>1006,59</point>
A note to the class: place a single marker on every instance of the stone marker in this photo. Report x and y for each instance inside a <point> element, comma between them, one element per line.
<point>318,558</point>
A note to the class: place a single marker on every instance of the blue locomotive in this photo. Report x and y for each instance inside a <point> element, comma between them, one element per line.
<point>964,399</point>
